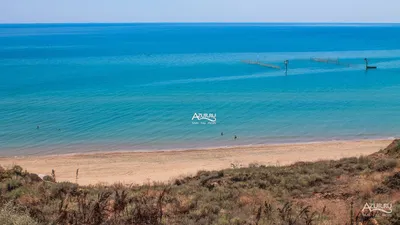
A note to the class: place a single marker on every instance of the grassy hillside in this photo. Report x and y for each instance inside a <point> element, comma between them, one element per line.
<point>324,192</point>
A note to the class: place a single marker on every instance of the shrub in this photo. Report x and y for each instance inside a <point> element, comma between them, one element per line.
<point>2,170</point>
<point>33,177</point>
<point>395,215</point>
<point>385,164</point>
<point>381,190</point>
<point>262,184</point>
<point>393,182</point>
<point>254,165</point>
<point>393,149</point>
<point>17,170</point>
<point>59,189</point>
<point>10,215</point>
<point>12,184</point>
<point>48,178</point>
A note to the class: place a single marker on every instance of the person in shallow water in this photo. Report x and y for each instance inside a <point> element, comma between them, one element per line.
<point>222,133</point>
<point>235,137</point>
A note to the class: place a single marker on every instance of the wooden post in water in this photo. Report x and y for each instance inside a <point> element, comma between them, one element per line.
<point>367,67</point>
<point>366,63</point>
<point>286,66</point>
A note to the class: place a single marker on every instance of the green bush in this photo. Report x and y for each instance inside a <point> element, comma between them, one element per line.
<point>17,170</point>
<point>12,184</point>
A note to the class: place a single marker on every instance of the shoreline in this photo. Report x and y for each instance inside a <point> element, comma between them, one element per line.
<point>148,166</point>
<point>200,148</point>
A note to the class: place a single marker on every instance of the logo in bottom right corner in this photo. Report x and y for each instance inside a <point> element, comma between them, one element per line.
<point>370,208</point>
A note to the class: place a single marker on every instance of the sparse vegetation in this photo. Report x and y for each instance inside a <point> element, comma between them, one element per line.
<point>11,215</point>
<point>303,193</point>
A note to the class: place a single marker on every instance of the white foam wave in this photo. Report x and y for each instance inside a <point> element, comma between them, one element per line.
<point>252,76</point>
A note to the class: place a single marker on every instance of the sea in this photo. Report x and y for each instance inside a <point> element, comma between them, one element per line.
<point>73,88</point>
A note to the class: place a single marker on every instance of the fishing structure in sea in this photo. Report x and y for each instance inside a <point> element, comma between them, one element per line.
<point>318,60</point>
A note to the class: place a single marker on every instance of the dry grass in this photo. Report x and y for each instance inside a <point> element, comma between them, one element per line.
<point>11,215</point>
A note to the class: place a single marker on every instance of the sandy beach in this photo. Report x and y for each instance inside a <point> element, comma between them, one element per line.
<point>140,167</point>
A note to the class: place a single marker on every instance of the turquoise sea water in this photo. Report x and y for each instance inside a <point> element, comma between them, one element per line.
<point>106,87</point>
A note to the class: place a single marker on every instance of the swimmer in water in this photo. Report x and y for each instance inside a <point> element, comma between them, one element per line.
<point>235,137</point>
<point>222,133</point>
<point>37,127</point>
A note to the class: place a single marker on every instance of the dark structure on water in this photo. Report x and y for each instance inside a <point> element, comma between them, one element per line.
<point>319,60</point>
<point>286,65</point>
<point>366,65</point>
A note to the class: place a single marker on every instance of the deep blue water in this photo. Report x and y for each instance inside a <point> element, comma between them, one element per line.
<point>136,86</point>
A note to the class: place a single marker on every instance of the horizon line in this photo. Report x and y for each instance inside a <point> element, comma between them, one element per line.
<point>213,22</point>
